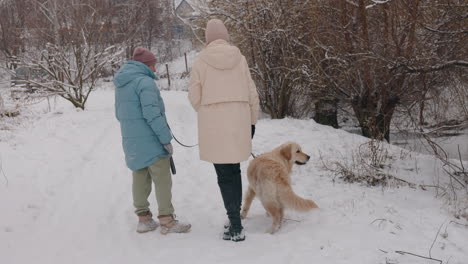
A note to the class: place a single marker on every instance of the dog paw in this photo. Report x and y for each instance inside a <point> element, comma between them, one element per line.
<point>272,230</point>
<point>243,214</point>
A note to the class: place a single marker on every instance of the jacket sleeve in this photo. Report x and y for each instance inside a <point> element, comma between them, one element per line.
<point>253,95</point>
<point>151,105</point>
<point>195,87</point>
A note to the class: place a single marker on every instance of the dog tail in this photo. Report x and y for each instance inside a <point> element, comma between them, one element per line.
<point>293,201</point>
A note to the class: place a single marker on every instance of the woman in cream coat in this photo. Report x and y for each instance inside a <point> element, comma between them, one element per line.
<point>222,92</point>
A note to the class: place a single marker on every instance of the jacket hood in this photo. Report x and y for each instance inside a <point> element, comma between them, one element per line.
<point>220,55</point>
<point>131,70</point>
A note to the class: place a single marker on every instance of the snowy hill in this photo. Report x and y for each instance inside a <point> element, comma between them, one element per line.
<point>66,198</point>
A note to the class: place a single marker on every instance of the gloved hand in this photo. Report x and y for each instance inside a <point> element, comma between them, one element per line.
<point>169,148</point>
<point>253,131</point>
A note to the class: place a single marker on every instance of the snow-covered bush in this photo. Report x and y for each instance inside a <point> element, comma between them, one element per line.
<point>368,164</point>
<point>70,71</point>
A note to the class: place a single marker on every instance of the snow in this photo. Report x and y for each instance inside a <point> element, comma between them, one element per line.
<point>68,198</point>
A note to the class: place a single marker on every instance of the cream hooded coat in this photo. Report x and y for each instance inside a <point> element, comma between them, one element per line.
<point>224,95</point>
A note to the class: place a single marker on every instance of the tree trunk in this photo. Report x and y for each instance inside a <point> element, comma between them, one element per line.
<point>326,111</point>
<point>373,126</point>
<point>375,123</point>
<point>383,127</point>
<point>422,105</point>
<point>76,103</point>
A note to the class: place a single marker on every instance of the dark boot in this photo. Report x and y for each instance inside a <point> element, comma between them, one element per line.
<point>230,184</point>
<point>237,235</point>
<point>234,234</point>
<point>227,231</point>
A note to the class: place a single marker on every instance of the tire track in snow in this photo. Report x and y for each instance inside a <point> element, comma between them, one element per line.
<point>85,197</point>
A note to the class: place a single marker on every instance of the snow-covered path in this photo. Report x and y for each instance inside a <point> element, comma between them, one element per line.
<point>68,200</point>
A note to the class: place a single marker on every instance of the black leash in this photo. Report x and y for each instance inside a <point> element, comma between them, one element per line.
<point>183,145</point>
<point>171,160</point>
<point>175,138</point>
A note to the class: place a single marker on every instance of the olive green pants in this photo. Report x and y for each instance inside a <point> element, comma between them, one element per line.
<point>158,173</point>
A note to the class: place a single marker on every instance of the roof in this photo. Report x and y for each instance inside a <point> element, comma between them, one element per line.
<point>178,2</point>
<point>196,5</point>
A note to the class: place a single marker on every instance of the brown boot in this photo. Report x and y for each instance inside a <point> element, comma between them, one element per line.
<point>170,225</point>
<point>146,223</point>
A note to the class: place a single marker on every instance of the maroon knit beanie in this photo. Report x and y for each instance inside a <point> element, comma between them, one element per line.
<point>144,56</point>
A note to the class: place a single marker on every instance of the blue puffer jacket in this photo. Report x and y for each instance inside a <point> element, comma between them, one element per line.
<point>140,110</point>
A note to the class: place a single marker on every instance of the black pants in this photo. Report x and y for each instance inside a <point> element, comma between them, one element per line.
<point>230,184</point>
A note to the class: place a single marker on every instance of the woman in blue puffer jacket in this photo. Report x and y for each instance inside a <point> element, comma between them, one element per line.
<point>146,140</point>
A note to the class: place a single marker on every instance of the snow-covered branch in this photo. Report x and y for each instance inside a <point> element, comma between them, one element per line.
<point>432,68</point>
<point>71,71</point>
<point>377,2</point>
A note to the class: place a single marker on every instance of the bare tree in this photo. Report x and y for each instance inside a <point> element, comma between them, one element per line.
<point>372,55</point>
<point>375,53</point>
<point>73,43</point>
<point>13,19</point>
<point>76,50</point>
<point>71,71</point>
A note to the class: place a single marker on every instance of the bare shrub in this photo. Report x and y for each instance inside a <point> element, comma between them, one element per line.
<point>71,71</point>
<point>368,164</point>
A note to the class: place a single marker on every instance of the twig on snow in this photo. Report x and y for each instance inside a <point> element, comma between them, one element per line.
<point>452,222</point>
<point>416,255</point>
<point>463,171</point>
<point>435,239</point>
<point>379,219</point>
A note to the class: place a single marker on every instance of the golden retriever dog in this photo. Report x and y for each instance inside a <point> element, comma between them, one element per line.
<point>269,177</point>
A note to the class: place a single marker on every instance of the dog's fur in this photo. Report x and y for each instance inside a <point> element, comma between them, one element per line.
<point>269,180</point>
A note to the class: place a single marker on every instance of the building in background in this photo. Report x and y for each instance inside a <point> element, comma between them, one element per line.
<point>184,8</point>
<point>185,13</point>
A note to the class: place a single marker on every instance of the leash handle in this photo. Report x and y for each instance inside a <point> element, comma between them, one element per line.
<point>173,169</point>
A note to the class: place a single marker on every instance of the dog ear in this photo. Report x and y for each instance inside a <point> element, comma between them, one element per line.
<point>286,152</point>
